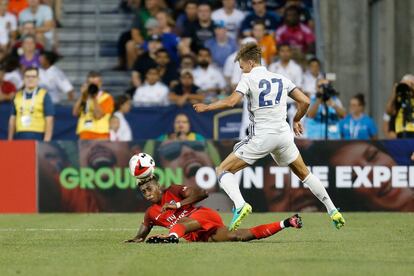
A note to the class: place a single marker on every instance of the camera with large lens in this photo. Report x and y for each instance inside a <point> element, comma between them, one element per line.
<point>328,91</point>
<point>404,94</point>
<point>93,90</point>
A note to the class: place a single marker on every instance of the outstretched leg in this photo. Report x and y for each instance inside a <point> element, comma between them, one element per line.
<point>184,226</point>
<point>316,187</point>
<point>225,173</point>
<point>257,232</point>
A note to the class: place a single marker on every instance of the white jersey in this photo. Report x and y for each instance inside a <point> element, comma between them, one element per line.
<point>267,94</point>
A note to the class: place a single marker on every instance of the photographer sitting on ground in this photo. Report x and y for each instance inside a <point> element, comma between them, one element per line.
<point>400,106</point>
<point>325,110</point>
<point>94,109</point>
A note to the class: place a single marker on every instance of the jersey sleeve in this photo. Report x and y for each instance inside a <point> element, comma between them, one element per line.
<point>243,86</point>
<point>289,85</point>
<point>148,219</point>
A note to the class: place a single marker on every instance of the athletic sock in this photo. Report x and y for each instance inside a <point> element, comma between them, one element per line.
<point>229,184</point>
<point>266,230</point>
<point>319,191</point>
<point>177,230</point>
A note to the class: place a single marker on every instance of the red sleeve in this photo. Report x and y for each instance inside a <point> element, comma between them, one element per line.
<point>148,219</point>
<point>177,190</point>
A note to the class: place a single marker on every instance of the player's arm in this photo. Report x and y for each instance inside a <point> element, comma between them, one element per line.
<point>143,232</point>
<point>302,105</point>
<point>191,195</point>
<point>228,102</point>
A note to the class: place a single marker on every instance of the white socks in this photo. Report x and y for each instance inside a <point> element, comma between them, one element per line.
<point>319,191</point>
<point>229,184</point>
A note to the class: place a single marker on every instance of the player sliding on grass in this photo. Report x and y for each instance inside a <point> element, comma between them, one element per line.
<point>173,208</point>
<point>269,133</point>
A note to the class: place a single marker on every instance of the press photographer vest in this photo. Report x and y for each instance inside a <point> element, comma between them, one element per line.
<point>87,122</point>
<point>409,126</point>
<point>30,115</point>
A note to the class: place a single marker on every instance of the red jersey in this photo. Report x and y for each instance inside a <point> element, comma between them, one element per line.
<point>154,216</point>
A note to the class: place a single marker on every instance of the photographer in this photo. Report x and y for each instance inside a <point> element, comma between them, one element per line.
<point>324,113</point>
<point>94,109</point>
<point>400,106</point>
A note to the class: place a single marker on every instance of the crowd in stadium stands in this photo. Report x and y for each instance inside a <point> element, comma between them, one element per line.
<point>182,52</point>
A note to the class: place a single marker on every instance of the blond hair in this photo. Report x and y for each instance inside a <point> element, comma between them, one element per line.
<point>249,51</point>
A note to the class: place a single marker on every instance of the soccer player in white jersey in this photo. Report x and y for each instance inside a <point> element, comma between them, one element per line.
<point>269,133</point>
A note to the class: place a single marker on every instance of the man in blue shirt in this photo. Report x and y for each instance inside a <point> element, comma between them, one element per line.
<point>270,19</point>
<point>357,125</point>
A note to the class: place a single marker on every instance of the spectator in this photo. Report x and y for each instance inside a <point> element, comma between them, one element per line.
<point>195,35</point>
<point>169,42</point>
<point>188,18</point>
<point>266,41</point>
<point>286,66</point>
<point>16,6</point>
<point>221,46</point>
<point>311,77</point>
<point>8,26</point>
<point>165,21</point>
<point>27,29</point>
<point>294,33</point>
<point>152,92</point>
<point>56,6</point>
<point>318,118</point>
<point>145,61</point>
<point>231,17</point>
<point>207,76</point>
<point>43,16</point>
<point>13,74</point>
<point>357,125</point>
<point>119,126</point>
<point>166,68</point>
<point>32,111</point>
<point>7,89</point>
<point>53,79</point>
<point>30,56</point>
<point>186,91</point>
<point>130,40</point>
<point>304,11</point>
<point>94,108</point>
<point>182,130</point>
<point>401,106</point>
<point>271,19</point>
<point>187,62</point>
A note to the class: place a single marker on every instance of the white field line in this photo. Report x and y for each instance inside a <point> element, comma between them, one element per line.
<point>66,229</point>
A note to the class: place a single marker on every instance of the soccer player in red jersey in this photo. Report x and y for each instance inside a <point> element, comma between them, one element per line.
<point>174,208</point>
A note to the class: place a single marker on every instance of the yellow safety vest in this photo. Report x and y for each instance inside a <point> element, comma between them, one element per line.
<point>30,115</point>
<point>88,123</point>
<point>409,126</point>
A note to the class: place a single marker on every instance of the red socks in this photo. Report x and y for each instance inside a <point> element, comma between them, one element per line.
<point>178,230</point>
<point>266,230</point>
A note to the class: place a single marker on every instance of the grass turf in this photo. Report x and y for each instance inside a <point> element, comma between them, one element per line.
<point>91,244</point>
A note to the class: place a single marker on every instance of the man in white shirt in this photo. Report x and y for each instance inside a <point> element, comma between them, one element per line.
<point>207,76</point>
<point>8,25</point>
<point>267,95</point>
<point>54,80</point>
<point>152,92</point>
<point>231,17</point>
<point>311,77</point>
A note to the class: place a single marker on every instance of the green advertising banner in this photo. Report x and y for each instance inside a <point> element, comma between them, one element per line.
<point>93,176</point>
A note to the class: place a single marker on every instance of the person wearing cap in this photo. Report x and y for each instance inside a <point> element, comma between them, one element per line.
<point>221,45</point>
<point>32,111</point>
<point>186,91</point>
<point>53,79</point>
<point>138,33</point>
<point>93,108</point>
<point>7,89</point>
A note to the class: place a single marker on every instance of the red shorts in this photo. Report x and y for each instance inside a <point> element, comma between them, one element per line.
<point>210,221</point>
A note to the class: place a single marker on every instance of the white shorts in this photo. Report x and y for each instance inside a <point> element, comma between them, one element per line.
<point>281,147</point>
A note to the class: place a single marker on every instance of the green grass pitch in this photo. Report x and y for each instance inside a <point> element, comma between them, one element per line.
<point>91,244</point>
